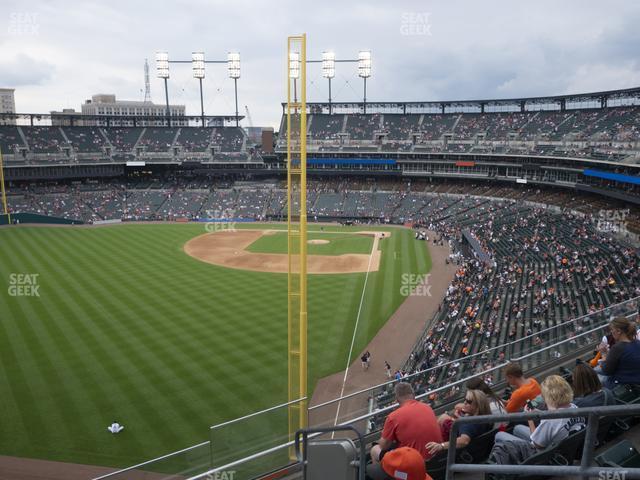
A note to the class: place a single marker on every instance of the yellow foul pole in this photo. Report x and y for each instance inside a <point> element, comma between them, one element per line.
<point>4,194</point>
<point>297,231</point>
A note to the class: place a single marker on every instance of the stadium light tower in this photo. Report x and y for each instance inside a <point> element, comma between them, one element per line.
<point>294,72</point>
<point>197,61</point>
<point>364,71</point>
<point>162,68</point>
<point>329,70</point>
<point>233,65</point>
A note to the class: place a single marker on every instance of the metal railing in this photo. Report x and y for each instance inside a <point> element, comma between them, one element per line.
<point>255,414</point>
<point>138,469</point>
<point>584,470</point>
<point>258,434</point>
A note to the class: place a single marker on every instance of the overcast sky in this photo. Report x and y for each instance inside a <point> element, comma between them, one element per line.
<point>56,54</point>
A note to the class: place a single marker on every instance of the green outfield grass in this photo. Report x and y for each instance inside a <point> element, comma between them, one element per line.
<point>339,243</point>
<point>128,327</point>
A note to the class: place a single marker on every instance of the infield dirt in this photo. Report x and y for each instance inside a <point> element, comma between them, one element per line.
<point>226,248</point>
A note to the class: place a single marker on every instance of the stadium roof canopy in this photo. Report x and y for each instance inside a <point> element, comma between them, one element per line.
<point>80,119</point>
<point>629,96</point>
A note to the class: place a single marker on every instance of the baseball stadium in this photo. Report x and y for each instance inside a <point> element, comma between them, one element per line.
<point>367,284</point>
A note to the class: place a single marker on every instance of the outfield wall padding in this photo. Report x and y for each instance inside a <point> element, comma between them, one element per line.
<point>35,218</point>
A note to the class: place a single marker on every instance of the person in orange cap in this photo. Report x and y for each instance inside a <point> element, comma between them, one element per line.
<point>404,463</point>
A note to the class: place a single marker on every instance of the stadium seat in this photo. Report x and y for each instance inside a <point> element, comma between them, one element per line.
<point>627,394</point>
<point>437,466</point>
<point>478,449</point>
<point>621,455</point>
<point>563,453</point>
<point>570,448</point>
<point>476,452</point>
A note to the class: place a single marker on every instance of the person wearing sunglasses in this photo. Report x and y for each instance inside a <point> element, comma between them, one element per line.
<point>476,402</point>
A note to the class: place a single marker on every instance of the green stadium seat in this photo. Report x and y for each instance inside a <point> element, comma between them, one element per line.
<point>621,455</point>
<point>627,394</point>
<point>562,453</point>
<point>478,449</point>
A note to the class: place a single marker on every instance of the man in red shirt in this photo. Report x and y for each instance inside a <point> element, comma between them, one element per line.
<point>413,424</point>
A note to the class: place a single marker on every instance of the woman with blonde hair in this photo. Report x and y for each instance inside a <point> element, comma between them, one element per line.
<point>558,395</point>
<point>476,402</point>
<point>621,364</point>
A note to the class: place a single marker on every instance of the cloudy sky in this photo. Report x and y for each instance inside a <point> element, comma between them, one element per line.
<point>57,53</point>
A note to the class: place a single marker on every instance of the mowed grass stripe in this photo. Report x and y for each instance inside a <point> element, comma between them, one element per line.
<point>170,421</point>
<point>156,350</point>
<point>378,297</point>
<point>237,387</point>
<point>249,348</point>
<point>99,351</point>
<point>103,350</point>
<point>59,404</point>
<point>327,338</point>
<point>20,391</point>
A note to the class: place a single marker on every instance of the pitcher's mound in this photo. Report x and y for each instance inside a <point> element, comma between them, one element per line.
<point>317,242</point>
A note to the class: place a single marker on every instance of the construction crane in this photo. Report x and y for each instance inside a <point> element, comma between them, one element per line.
<point>248,116</point>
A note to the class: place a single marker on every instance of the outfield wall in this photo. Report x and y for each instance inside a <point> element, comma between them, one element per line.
<point>19,218</point>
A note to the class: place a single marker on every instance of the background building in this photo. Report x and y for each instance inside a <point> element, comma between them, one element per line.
<point>63,118</point>
<point>7,104</point>
<point>107,105</point>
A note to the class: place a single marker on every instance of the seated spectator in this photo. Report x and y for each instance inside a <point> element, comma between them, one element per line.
<point>620,365</point>
<point>607,342</point>
<point>587,389</point>
<point>523,388</point>
<point>528,440</point>
<point>413,425</point>
<point>475,403</point>
<point>496,404</point>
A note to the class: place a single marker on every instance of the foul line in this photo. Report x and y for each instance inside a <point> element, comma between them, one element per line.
<point>355,329</point>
